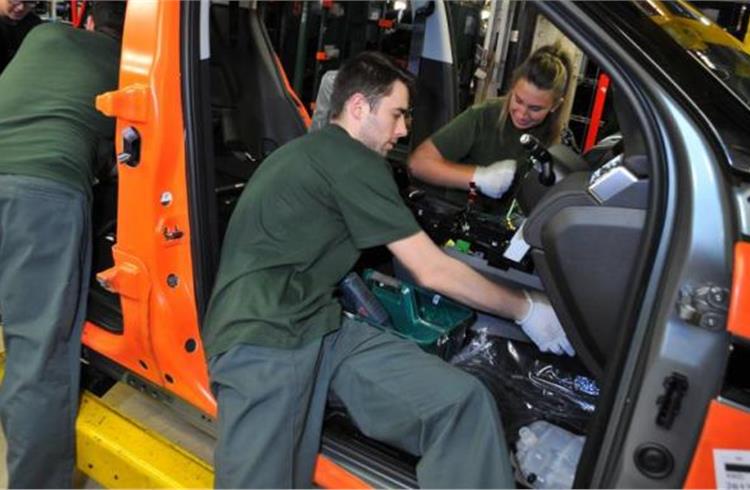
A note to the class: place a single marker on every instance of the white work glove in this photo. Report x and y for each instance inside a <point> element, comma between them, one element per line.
<point>494,179</point>
<point>543,327</point>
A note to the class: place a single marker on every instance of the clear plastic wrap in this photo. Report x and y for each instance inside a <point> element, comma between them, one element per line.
<point>547,455</point>
<point>529,385</point>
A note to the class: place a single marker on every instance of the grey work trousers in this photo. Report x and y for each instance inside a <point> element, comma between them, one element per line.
<point>271,404</point>
<point>44,272</point>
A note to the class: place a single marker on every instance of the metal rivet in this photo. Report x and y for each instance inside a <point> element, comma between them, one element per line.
<point>166,198</point>
<point>172,281</point>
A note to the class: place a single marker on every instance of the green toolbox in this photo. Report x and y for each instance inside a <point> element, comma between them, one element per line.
<point>437,324</point>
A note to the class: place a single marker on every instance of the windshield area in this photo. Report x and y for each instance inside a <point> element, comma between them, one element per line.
<point>709,44</point>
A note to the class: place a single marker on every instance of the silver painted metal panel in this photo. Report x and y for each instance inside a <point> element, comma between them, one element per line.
<point>205,43</point>
<point>437,43</point>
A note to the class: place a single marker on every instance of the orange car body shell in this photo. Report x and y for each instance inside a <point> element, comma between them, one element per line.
<point>152,269</point>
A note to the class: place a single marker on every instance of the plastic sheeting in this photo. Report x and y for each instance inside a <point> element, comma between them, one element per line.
<point>529,385</point>
<point>547,455</point>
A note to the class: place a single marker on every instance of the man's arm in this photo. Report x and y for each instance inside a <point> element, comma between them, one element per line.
<point>428,164</point>
<point>435,270</point>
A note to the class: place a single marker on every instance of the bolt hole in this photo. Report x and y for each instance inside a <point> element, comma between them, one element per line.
<point>143,364</point>
<point>191,345</point>
<point>169,378</point>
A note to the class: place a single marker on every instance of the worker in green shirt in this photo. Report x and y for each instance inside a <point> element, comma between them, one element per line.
<point>482,145</point>
<point>50,134</point>
<point>274,334</point>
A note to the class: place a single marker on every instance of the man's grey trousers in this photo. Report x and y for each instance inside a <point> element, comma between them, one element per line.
<point>45,261</point>
<point>271,404</point>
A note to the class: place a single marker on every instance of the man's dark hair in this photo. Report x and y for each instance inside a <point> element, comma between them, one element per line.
<point>371,74</point>
<point>109,16</point>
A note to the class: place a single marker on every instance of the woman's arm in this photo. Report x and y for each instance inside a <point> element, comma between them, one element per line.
<point>427,164</point>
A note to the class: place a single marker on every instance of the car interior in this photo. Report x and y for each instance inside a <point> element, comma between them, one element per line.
<point>252,111</point>
<point>583,233</point>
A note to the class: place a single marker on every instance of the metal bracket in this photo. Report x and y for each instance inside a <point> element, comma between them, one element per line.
<point>704,306</point>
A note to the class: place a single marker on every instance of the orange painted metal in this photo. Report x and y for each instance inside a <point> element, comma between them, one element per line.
<point>722,430</point>
<point>129,278</point>
<point>160,341</point>
<point>130,103</point>
<point>739,307</point>
<point>330,475</point>
<point>306,119</point>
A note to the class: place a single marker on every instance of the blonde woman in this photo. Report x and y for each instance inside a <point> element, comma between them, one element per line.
<point>481,145</point>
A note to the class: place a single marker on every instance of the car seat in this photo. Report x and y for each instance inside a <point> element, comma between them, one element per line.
<point>585,235</point>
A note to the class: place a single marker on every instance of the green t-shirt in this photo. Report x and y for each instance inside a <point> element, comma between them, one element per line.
<point>475,137</point>
<point>49,126</point>
<point>298,228</point>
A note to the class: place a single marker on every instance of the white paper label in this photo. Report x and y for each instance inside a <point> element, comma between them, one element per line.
<point>517,247</point>
<point>732,468</point>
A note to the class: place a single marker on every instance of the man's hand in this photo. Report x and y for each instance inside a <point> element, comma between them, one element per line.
<point>543,327</point>
<point>493,180</point>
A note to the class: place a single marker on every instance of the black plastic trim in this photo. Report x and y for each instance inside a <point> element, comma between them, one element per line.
<point>377,464</point>
<point>736,379</point>
<point>196,111</point>
<point>104,309</point>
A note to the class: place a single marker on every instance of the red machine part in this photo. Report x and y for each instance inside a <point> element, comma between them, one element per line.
<point>602,86</point>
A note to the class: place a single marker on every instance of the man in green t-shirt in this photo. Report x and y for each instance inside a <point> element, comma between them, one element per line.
<point>50,132</point>
<point>273,332</point>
